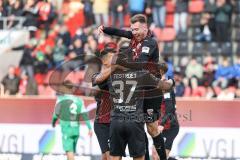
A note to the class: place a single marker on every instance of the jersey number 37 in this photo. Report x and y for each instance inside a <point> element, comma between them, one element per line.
<point>120,87</point>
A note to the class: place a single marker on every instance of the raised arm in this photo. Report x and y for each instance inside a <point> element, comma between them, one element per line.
<point>115,32</point>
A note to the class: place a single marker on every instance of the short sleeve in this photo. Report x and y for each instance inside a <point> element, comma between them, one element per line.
<point>150,50</point>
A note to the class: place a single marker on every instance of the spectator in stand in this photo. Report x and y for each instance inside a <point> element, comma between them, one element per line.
<point>40,63</point>
<point>100,10</point>
<point>237,71</point>
<point>117,12</point>
<point>158,11</point>
<point>194,73</point>
<point>77,47</point>
<point>59,52</point>
<point>75,56</point>
<point>224,74</point>
<point>136,8</point>
<point>11,82</point>
<point>27,60</point>
<point>3,9</point>
<point>88,12</point>
<point>28,86</point>
<point>180,17</point>
<point>205,34</point>
<point>15,9</point>
<point>222,13</point>
<point>82,34</point>
<point>90,47</point>
<point>169,73</point>
<point>3,12</point>
<point>65,35</point>
<point>30,12</point>
<point>209,68</point>
<point>46,14</point>
<point>179,85</point>
<point>49,57</point>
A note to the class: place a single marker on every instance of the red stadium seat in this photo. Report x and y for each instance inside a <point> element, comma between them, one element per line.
<point>157,32</point>
<point>217,90</point>
<point>80,75</point>
<point>39,78</point>
<point>127,20</point>
<point>72,77</point>
<point>46,90</point>
<point>187,92</point>
<point>170,6</point>
<point>47,77</point>
<point>200,91</point>
<point>168,34</point>
<point>169,20</point>
<point>232,89</point>
<point>196,6</point>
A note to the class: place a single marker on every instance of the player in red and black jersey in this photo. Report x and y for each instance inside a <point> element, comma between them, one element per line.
<point>143,48</point>
<point>104,105</point>
<point>168,122</point>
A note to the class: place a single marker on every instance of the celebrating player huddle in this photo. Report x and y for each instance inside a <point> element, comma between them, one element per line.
<point>132,91</point>
<point>136,90</point>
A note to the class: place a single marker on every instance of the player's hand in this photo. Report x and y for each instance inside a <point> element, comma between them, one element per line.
<point>160,128</point>
<point>90,133</point>
<point>53,124</point>
<point>100,29</point>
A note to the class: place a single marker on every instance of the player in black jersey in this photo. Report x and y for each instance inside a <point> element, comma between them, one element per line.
<point>127,88</point>
<point>168,122</point>
<point>143,48</point>
<point>102,120</point>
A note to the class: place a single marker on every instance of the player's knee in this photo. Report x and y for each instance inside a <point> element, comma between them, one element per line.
<point>152,129</point>
<point>106,156</point>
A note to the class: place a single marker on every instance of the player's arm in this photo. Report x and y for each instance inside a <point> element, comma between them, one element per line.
<point>56,113</point>
<point>104,74</point>
<point>54,119</point>
<point>115,32</point>
<point>166,85</point>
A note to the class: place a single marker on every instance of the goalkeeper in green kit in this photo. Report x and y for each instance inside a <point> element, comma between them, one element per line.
<point>68,109</point>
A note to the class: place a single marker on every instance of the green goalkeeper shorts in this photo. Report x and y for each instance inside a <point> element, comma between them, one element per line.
<point>69,143</point>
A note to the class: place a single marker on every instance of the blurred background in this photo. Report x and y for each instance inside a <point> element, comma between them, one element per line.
<point>45,42</point>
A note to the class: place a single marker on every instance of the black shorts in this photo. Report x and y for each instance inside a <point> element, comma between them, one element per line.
<point>169,135</point>
<point>102,131</point>
<point>129,133</point>
<point>152,109</point>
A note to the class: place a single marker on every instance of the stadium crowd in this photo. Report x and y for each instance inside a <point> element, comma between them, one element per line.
<point>199,39</point>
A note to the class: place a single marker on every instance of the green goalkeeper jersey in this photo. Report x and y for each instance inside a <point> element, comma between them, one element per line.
<point>68,109</point>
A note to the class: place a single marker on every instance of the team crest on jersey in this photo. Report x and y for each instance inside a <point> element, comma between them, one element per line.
<point>145,50</point>
<point>150,112</point>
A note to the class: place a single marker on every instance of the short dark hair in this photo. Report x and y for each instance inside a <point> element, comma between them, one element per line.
<point>163,66</point>
<point>139,18</point>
